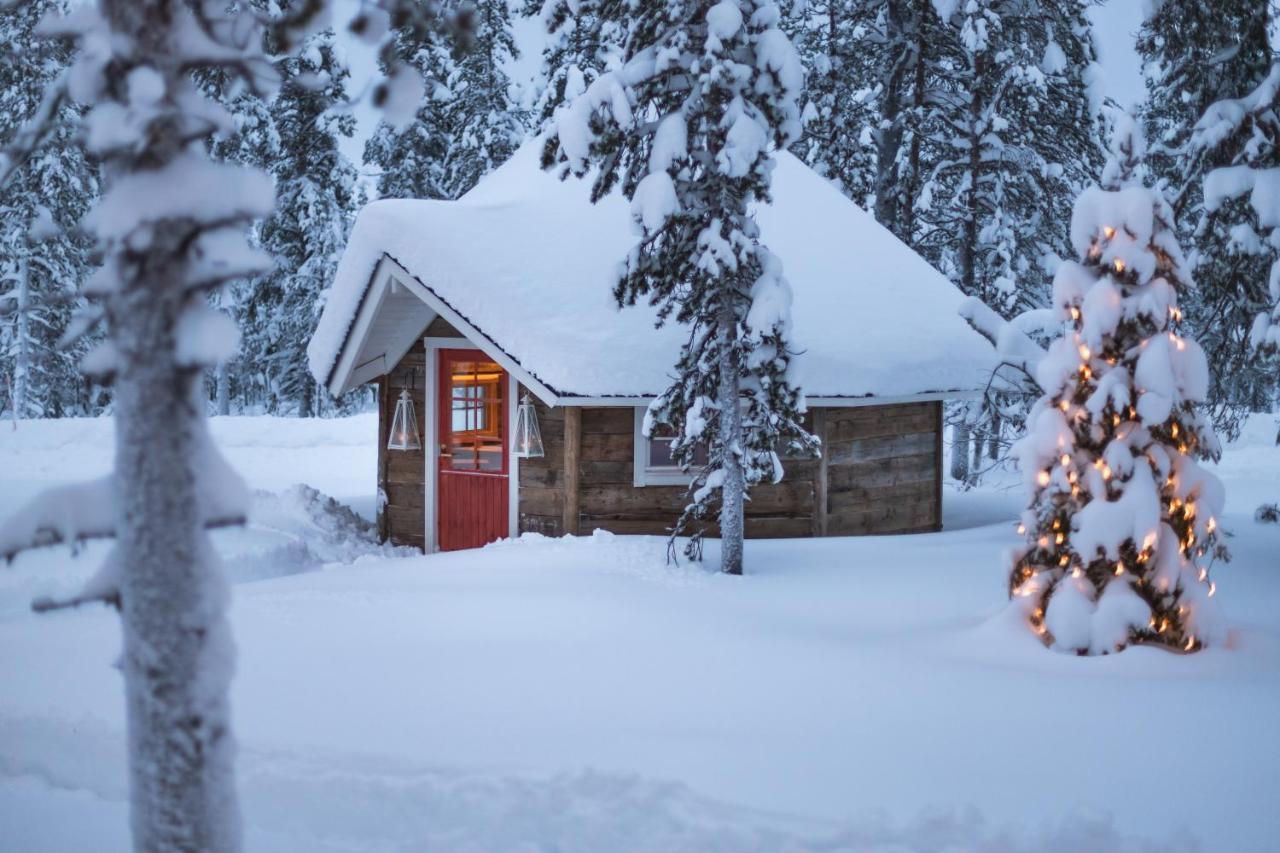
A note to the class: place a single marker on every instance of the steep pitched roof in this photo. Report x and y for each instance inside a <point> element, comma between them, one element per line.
<point>529,262</point>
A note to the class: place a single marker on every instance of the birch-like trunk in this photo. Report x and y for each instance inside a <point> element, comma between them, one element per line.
<point>732,492</point>
<point>22,357</point>
<point>223,389</point>
<point>177,658</point>
<point>177,648</point>
<point>960,452</point>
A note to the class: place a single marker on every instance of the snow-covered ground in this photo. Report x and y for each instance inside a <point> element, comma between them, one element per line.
<point>581,695</point>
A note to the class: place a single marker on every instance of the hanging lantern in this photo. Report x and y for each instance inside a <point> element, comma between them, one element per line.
<point>404,426</point>
<point>528,437</point>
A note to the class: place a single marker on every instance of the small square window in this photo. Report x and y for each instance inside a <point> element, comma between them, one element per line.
<point>653,463</point>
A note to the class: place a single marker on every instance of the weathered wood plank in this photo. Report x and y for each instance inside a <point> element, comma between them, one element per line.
<point>937,466</point>
<point>882,447</point>
<point>613,420</point>
<point>883,518</point>
<point>875,421</point>
<point>820,476</point>
<point>616,447</point>
<point>903,494</point>
<point>572,447</point>
<point>440,328</point>
<point>916,468</point>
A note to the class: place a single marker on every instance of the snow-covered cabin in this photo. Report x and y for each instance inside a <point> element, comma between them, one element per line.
<point>470,304</point>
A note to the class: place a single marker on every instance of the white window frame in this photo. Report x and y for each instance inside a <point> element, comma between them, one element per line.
<point>644,474</point>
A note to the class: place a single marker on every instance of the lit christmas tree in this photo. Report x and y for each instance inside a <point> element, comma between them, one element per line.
<point>1121,529</point>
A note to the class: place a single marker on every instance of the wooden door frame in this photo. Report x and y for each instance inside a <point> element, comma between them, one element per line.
<point>431,442</point>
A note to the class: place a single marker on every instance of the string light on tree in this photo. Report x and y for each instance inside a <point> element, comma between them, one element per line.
<point>1120,531</point>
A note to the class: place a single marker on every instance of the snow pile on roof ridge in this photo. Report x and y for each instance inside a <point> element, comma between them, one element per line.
<point>528,260</point>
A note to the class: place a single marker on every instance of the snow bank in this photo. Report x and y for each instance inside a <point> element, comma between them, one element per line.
<point>527,259</point>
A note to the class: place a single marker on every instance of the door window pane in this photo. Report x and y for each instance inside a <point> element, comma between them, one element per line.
<point>475,440</point>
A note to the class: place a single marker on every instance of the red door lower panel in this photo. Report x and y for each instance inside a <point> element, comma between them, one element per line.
<point>471,498</point>
<point>473,510</point>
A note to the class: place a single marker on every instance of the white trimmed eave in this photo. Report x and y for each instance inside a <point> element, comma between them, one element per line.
<point>365,357</point>
<point>817,401</point>
<point>386,327</point>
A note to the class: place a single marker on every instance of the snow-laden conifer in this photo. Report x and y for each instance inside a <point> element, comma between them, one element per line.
<point>42,258</point>
<point>315,191</point>
<point>839,114</point>
<point>1122,525</point>
<point>686,124</point>
<point>1196,55</point>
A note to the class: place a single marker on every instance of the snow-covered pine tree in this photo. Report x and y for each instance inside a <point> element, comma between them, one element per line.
<point>411,159</point>
<point>579,46</point>
<point>685,124</point>
<point>1121,528</point>
<point>1022,131</point>
<point>485,123</point>
<point>42,259</point>
<point>1242,196</point>
<point>1196,54</point>
<point>913,57</point>
<point>315,187</point>
<point>839,105</point>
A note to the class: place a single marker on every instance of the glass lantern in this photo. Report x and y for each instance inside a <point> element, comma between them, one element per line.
<point>404,426</point>
<point>527,442</point>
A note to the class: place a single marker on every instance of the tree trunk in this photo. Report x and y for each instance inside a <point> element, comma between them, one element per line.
<point>993,444</point>
<point>178,656</point>
<point>888,137</point>
<point>224,389</point>
<point>22,358</point>
<point>306,399</point>
<point>177,647</point>
<point>960,452</point>
<point>976,467</point>
<point>732,491</point>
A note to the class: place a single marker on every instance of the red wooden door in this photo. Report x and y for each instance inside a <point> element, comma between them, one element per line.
<point>471,495</point>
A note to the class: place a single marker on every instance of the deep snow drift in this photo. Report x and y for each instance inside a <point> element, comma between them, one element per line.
<point>581,695</point>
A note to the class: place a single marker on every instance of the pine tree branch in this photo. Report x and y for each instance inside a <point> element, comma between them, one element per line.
<point>47,537</point>
<point>48,604</point>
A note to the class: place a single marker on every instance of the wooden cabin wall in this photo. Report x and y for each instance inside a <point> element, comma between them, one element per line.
<point>884,469</point>
<point>401,473</point>
<point>607,498</point>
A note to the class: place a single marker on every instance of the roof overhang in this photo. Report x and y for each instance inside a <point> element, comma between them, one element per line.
<point>395,309</point>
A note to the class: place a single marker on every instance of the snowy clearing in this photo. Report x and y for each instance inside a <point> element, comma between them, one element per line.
<point>581,695</point>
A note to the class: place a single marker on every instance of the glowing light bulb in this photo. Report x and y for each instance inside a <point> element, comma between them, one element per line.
<point>1119,569</point>
<point>1084,352</point>
<point>1066,460</point>
<point>1213,523</point>
<point>1119,265</point>
<point>1075,313</point>
<point>1213,587</point>
<point>1022,528</point>
<point>1173,429</point>
<point>1043,478</point>
<point>1059,539</point>
<point>1043,541</point>
<point>1191,642</point>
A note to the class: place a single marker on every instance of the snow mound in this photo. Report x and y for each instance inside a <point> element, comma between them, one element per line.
<point>643,557</point>
<point>317,531</point>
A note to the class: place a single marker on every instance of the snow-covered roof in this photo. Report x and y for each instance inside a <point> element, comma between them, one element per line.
<point>529,262</point>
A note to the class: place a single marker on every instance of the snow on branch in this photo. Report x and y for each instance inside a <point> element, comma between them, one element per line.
<point>1014,346</point>
<point>77,513</point>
